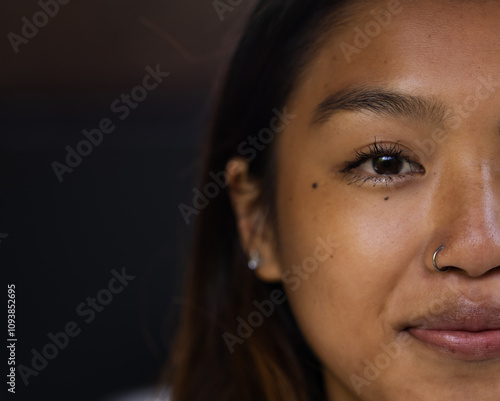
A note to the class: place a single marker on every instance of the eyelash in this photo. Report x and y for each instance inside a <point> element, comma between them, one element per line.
<point>377,150</point>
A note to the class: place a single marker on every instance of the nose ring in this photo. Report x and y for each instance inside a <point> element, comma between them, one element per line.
<point>434,260</point>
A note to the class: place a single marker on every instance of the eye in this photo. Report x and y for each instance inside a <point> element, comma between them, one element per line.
<point>382,163</point>
<point>387,165</point>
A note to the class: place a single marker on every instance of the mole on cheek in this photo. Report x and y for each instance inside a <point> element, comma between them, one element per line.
<point>315,185</point>
<point>386,198</point>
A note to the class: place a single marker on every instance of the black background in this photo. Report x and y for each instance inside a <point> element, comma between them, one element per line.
<point>119,207</point>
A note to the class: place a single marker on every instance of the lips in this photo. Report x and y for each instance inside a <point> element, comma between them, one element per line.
<point>462,330</point>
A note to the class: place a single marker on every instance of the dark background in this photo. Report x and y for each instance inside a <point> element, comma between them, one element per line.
<point>119,207</point>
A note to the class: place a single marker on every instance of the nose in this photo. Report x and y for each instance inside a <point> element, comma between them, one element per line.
<point>467,216</point>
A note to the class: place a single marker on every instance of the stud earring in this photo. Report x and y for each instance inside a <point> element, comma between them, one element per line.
<point>254,260</point>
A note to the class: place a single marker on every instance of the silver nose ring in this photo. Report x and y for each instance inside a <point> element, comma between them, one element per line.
<point>434,260</point>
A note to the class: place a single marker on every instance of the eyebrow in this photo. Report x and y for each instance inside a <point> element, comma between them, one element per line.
<point>383,102</point>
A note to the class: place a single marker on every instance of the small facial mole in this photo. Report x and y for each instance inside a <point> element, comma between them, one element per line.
<point>386,198</point>
<point>315,185</point>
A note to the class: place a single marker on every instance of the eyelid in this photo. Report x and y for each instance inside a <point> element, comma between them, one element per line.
<point>377,149</point>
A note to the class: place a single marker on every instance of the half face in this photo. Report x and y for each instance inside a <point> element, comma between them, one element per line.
<point>394,152</point>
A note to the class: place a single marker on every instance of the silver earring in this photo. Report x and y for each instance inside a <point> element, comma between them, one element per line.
<point>254,260</point>
<point>434,260</point>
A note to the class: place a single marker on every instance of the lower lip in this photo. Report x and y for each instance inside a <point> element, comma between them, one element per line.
<point>467,345</point>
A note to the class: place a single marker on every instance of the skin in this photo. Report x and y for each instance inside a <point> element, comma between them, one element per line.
<point>378,275</point>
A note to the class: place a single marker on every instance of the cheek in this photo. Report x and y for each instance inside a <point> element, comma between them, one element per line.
<point>342,254</point>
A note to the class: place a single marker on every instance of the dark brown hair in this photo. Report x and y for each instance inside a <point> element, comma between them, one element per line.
<point>274,363</point>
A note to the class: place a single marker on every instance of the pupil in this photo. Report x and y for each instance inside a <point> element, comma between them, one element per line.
<point>387,165</point>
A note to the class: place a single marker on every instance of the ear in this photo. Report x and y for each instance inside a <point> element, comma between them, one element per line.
<point>254,232</point>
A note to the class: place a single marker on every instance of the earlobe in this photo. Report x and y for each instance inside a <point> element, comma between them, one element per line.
<point>254,232</point>
<point>269,269</point>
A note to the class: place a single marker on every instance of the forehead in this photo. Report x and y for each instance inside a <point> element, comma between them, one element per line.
<point>424,47</point>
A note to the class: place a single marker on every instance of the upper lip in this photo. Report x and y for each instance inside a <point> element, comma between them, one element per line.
<point>460,315</point>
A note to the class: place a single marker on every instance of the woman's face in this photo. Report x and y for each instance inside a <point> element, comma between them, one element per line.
<point>402,157</point>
